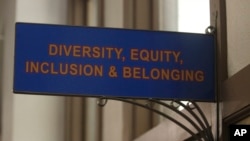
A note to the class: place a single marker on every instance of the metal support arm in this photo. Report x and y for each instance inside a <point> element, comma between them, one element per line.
<point>200,124</point>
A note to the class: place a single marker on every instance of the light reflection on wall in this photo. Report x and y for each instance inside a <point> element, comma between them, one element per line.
<point>193,15</point>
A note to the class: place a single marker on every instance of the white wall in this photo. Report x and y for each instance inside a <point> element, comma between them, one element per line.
<point>29,117</point>
<point>193,15</point>
<point>238,34</point>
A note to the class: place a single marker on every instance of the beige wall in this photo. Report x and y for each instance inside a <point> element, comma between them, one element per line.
<point>236,88</point>
<point>28,117</point>
<point>238,31</point>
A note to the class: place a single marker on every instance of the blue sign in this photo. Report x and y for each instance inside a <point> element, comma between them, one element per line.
<point>88,61</point>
